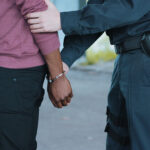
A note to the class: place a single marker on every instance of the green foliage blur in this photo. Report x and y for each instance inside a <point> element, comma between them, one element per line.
<point>101,50</point>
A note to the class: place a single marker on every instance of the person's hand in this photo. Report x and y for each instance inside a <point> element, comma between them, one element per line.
<point>45,21</point>
<point>65,68</point>
<point>60,92</point>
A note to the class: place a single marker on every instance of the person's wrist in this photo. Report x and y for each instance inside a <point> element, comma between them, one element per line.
<point>54,74</point>
<point>59,76</point>
<point>54,70</point>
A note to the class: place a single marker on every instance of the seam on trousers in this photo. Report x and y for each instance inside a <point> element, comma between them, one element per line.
<point>119,78</point>
<point>130,117</point>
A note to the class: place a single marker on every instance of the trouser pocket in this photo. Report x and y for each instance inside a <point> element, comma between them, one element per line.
<point>30,91</point>
<point>117,132</point>
<point>8,100</point>
<point>117,128</point>
<point>21,90</point>
<point>117,123</point>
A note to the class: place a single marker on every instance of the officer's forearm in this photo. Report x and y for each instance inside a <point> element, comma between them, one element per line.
<point>75,46</point>
<point>100,17</point>
<point>54,63</point>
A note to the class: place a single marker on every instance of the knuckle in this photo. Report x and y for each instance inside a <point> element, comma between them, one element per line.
<point>58,100</point>
<point>62,98</point>
<point>66,96</point>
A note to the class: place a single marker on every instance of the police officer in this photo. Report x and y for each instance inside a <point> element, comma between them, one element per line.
<point>127,22</point>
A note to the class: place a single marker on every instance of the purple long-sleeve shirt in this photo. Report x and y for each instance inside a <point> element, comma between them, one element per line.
<point>19,48</point>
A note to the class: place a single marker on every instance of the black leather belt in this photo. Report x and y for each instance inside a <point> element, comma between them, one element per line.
<point>130,44</point>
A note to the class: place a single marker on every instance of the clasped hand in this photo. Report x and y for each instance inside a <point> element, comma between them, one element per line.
<point>60,92</point>
<point>45,21</point>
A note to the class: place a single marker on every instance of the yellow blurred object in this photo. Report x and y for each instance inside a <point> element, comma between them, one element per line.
<point>94,57</point>
<point>107,55</point>
<point>100,50</point>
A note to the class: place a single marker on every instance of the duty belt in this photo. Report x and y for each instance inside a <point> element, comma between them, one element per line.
<point>128,45</point>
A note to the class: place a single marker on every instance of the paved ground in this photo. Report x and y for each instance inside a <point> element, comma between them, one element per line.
<point>79,126</point>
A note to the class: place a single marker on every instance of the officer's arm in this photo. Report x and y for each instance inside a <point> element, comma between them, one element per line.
<point>76,45</point>
<point>101,17</point>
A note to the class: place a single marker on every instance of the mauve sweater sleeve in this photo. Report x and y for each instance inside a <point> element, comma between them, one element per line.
<point>47,42</point>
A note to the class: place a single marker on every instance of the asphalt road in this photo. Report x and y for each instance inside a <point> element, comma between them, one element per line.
<point>79,126</point>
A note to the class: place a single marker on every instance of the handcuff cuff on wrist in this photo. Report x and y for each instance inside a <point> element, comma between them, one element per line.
<point>56,78</point>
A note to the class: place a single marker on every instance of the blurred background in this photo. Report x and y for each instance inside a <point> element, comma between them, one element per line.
<point>80,126</point>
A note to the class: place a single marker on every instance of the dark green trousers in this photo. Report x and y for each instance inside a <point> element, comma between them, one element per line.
<point>128,123</point>
<point>21,93</point>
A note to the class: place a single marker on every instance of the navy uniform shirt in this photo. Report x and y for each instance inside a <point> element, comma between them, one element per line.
<point>119,18</point>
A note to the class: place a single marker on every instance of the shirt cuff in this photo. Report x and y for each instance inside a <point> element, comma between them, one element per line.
<point>70,22</point>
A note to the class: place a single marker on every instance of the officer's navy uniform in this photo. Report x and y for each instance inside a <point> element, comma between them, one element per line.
<point>125,21</point>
